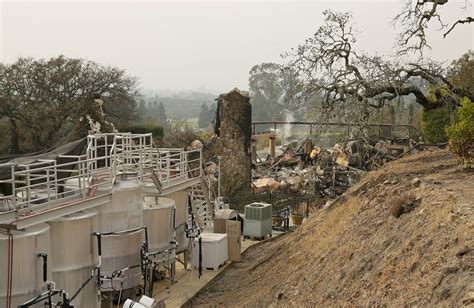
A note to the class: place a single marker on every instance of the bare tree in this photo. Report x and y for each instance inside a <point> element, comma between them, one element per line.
<point>348,80</point>
<point>415,19</point>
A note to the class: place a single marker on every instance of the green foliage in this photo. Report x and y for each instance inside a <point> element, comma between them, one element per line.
<point>461,132</point>
<point>42,99</point>
<point>155,113</point>
<point>271,88</point>
<point>461,72</point>
<point>206,115</point>
<point>156,130</point>
<point>179,105</point>
<point>180,135</point>
<point>4,142</point>
<point>434,123</point>
<point>161,114</point>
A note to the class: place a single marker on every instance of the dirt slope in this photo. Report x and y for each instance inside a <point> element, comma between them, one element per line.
<point>358,252</point>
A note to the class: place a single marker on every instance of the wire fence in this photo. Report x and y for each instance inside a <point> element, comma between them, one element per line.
<point>281,201</point>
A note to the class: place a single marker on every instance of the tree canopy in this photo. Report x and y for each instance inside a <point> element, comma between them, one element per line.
<point>42,99</point>
<point>271,88</point>
<point>205,116</point>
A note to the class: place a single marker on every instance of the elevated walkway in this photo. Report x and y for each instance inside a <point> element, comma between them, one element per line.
<point>46,189</point>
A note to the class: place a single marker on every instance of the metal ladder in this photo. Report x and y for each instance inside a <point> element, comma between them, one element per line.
<point>201,206</point>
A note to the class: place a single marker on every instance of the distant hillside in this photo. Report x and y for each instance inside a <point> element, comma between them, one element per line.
<point>181,105</point>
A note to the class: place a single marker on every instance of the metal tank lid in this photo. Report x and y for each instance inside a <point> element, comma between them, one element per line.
<point>162,203</point>
<point>128,184</point>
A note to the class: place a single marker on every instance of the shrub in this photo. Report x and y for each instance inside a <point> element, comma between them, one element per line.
<point>461,132</point>
<point>156,130</point>
<point>402,204</point>
<point>434,123</point>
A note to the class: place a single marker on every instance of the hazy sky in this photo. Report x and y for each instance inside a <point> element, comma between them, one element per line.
<point>196,44</point>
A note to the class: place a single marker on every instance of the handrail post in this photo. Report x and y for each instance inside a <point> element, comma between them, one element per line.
<point>183,169</point>
<point>56,189</point>
<point>113,157</point>
<point>168,171</point>
<point>80,177</point>
<point>186,166</point>
<point>48,184</point>
<point>141,148</point>
<point>107,163</point>
<point>13,185</point>
<point>200,162</point>
<point>28,188</point>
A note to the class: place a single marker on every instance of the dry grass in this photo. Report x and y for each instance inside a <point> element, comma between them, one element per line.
<point>356,253</point>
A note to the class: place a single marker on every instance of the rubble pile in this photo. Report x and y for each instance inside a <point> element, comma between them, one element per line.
<point>324,172</point>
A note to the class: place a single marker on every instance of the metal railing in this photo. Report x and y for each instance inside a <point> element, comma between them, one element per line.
<point>41,184</point>
<point>176,166</point>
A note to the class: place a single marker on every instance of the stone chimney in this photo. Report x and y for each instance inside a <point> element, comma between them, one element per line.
<point>233,126</point>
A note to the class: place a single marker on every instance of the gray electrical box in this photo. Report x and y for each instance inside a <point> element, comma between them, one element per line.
<point>258,220</point>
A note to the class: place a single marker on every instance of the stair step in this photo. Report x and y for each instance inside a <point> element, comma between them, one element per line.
<point>200,205</point>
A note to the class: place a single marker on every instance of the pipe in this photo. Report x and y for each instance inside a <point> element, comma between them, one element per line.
<point>9,257</point>
<point>219,158</point>
<point>200,256</point>
<point>81,287</point>
<point>9,264</point>
<point>99,252</point>
<point>44,256</point>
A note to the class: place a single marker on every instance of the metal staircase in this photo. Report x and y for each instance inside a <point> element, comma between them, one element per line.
<point>202,204</point>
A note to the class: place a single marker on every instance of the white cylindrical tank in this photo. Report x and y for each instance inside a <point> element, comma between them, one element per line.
<point>125,212</point>
<point>181,202</point>
<point>71,187</point>
<point>158,216</point>
<point>181,239</point>
<point>27,267</point>
<point>74,256</point>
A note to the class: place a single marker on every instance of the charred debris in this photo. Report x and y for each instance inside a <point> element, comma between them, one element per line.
<point>306,168</point>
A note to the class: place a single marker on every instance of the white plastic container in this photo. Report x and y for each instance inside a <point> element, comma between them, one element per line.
<point>214,251</point>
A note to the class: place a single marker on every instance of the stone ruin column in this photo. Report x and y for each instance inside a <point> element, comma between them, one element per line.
<point>234,128</point>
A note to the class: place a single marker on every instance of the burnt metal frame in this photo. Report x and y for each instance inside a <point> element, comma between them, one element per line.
<point>340,124</point>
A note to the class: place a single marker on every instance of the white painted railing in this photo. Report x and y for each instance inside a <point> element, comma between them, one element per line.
<point>42,184</point>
